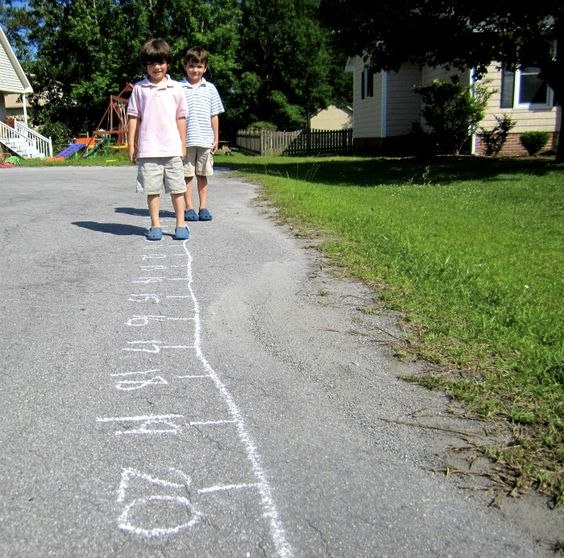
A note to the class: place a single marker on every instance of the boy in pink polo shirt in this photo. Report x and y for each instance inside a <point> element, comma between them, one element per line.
<point>157,136</point>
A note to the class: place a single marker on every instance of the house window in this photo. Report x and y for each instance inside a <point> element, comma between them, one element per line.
<point>523,88</point>
<point>367,83</point>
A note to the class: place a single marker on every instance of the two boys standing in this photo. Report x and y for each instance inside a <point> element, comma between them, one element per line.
<point>173,133</point>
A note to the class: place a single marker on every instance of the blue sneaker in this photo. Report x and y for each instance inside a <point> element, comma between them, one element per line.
<point>191,215</point>
<point>154,233</point>
<point>182,233</point>
<point>204,215</point>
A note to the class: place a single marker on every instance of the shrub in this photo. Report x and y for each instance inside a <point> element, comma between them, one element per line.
<point>59,134</point>
<point>533,142</point>
<point>263,125</point>
<point>452,111</point>
<point>495,138</point>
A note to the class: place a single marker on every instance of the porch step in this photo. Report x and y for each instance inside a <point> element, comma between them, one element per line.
<point>22,148</point>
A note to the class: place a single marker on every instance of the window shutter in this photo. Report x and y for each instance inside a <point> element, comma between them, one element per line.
<point>370,84</point>
<point>507,88</point>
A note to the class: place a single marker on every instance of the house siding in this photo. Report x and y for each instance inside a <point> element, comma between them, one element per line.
<point>374,130</point>
<point>365,118</point>
<point>12,77</point>
<point>526,119</point>
<point>9,80</point>
<point>403,104</point>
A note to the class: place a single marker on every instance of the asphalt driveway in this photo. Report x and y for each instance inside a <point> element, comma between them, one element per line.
<point>221,396</point>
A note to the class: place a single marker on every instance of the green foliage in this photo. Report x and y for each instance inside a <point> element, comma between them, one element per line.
<point>58,132</point>
<point>262,125</point>
<point>288,62</point>
<point>270,60</point>
<point>495,138</point>
<point>453,112</point>
<point>533,142</point>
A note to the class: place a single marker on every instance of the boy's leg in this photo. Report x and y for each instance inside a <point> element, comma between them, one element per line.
<point>202,190</point>
<point>178,204</point>
<point>188,193</point>
<point>189,171</point>
<point>154,204</point>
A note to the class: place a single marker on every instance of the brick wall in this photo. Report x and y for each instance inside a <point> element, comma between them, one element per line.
<point>512,146</point>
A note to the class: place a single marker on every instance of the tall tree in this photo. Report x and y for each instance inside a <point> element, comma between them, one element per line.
<point>270,60</point>
<point>458,33</point>
<point>85,50</point>
<point>286,62</point>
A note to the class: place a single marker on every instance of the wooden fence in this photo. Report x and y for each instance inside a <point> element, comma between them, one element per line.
<point>301,142</point>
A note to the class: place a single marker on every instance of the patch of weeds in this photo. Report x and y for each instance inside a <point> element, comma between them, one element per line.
<point>424,178</point>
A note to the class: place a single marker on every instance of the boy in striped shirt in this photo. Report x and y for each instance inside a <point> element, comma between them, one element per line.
<point>204,108</point>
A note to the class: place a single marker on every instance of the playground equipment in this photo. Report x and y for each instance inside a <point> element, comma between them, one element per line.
<point>99,145</point>
<point>70,150</point>
<point>113,124</point>
<point>114,120</point>
<point>87,146</point>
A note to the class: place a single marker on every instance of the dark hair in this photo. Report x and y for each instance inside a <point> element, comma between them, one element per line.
<point>155,50</point>
<point>197,55</point>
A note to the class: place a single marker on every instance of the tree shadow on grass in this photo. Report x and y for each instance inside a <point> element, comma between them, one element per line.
<point>377,171</point>
<point>119,229</point>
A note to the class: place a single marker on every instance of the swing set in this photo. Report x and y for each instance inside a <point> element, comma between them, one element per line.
<point>112,125</point>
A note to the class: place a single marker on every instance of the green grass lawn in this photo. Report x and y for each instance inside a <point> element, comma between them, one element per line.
<point>470,251</point>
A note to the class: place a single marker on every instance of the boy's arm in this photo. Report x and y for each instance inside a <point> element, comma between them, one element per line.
<point>215,128</point>
<point>181,125</point>
<point>132,137</point>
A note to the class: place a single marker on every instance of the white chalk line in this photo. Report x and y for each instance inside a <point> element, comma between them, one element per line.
<point>210,422</point>
<point>224,487</point>
<point>278,534</point>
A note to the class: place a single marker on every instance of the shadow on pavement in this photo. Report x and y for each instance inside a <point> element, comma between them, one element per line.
<point>112,228</point>
<point>142,212</point>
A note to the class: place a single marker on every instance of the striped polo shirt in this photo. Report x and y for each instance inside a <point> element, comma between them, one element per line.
<point>203,102</point>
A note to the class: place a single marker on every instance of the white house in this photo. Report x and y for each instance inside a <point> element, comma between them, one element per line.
<point>385,106</point>
<point>12,79</point>
<point>15,134</point>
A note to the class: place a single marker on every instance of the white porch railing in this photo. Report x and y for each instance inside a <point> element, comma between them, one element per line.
<point>42,144</point>
<point>25,142</point>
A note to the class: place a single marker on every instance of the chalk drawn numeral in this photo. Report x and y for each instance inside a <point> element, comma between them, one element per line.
<point>154,506</point>
<point>144,297</point>
<point>145,381</point>
<point>150,424</point>
<point>142,320</point>
<point>148,280</point>
<point>154,347</point>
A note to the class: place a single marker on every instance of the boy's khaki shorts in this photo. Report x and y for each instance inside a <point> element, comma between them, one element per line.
<point>199,161</point>
<point>156,173</point>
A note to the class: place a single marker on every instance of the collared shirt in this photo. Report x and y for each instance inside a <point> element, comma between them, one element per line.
<point>203,102</point>
<point>158,107</point>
